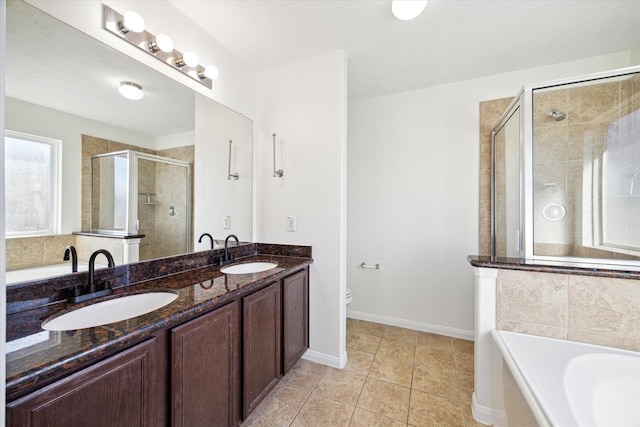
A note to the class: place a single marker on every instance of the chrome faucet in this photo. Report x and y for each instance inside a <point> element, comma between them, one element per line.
<point>91,287</point>
<point>227,258</point>
<point>207,235</point>
<point>70,250</point>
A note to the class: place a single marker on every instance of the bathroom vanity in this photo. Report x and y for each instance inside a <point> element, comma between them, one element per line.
<point>212,354</point>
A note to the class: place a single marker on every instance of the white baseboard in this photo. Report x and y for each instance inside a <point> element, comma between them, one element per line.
<point>325,359</point>
<point>410,324</point>
<point>487,416</point>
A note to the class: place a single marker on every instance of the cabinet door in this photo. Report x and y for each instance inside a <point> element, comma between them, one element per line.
<point>295,318</point>
<point>119,391</point>
<point>261,316</point>
<point>205,369</point>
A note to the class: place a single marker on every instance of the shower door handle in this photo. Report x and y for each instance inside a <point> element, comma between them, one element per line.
<point>137,225</point>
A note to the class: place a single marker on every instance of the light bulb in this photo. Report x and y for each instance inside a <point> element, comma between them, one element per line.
<point>162,42</point>
<point>132,21</point>
<point>406,10</point>
<point>210,72</point>
<point>188,58</point>
<point>131,90</point>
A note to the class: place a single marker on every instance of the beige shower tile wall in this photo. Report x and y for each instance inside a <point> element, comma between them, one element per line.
<point>594,310</point>
<point>28,252</point>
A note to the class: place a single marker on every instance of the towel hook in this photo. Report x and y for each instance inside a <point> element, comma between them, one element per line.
<point>276,173</point>
<point>231,175</point>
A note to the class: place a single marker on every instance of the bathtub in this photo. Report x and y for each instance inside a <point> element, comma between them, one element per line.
<point>37,273</point>
<point>567,384</point>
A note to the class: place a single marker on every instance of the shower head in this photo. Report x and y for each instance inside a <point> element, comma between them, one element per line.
<point>557,115</point>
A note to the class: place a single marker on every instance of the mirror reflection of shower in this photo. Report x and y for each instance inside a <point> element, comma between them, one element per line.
<point>134,193</point>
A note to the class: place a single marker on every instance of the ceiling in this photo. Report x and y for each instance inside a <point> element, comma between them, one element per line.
<point>452,40</point>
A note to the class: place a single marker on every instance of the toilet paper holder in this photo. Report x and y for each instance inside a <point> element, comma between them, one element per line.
<point>364,265</point>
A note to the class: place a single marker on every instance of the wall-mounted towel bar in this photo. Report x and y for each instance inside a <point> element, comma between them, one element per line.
<point>276,173</point>
<point>364,265</point>
<point>231,175</point>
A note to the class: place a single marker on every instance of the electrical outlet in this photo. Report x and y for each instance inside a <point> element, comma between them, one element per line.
<point>226,222</point>
<point>291,223</point>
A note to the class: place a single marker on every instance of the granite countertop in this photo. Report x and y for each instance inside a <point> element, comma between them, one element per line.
<point>36,357</point>
<point>558,267</point>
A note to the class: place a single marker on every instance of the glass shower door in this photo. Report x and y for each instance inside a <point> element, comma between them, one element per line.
<point>506,217</point>
<point>163,206</point>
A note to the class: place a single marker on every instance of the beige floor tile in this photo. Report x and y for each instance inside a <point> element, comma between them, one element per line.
<point>255,421</point>
<point>462,346</point>
<point>434,340</point>
<point>282,404</point>
<point>352,324</point>
<point>392,369</point>
<point>370,328</point>
<point>400,334</point>
<point>383,398</point>
<point>362,418</point>
<point>319,411</point>
<point>429,410</point>
<point>358,362</point>
<point>362,342</point>
<point>340,385</point>
<point>304,374</point>
<point>436,381</point>
<point>435,357</point>
<point>400,350</point>
<point>464,363</point>
<point>465,381</point>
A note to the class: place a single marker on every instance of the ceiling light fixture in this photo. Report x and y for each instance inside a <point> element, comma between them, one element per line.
<point>130,27</point>
<point>162,42</point>
<point>131,91</point>
<point>131,21</point>
<point>405,10</point>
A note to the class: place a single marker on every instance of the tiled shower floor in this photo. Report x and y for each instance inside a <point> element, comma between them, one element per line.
<point>394,377</point>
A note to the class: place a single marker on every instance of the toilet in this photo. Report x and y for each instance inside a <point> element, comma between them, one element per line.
<point>349,296</point>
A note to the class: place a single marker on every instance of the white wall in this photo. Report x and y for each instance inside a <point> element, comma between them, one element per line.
<point>34,119</point>
<point>304,103</point>
<point>413,197</point>
<point>217,195</point>
<point>235,87</point>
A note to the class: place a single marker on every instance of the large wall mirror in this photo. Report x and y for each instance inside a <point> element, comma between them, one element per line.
<point>62,85</point>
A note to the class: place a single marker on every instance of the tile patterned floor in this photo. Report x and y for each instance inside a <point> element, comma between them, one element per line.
<point>394,377</point>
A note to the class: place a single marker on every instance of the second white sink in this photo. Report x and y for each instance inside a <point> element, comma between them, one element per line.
<point>249,267</point>
<point>110,311</point>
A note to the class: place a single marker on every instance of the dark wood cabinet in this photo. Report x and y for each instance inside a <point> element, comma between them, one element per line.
<point>118,391</point>
<point>205,369</point>
<point>261,345</point>
<point>295,318</point>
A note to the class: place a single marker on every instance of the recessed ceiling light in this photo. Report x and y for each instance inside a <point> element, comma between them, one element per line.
<point>406,10</point>
<point>131,90</point>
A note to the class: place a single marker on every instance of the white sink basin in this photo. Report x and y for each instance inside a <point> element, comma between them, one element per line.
<point>249,267</point>
<point>110,311</point>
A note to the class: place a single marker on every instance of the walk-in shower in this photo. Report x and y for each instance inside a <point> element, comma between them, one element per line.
<point>134,193</point>
<point>565,156</point>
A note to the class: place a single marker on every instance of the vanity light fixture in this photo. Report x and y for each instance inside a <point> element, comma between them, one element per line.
<point>131,27</point>
<point>131,21</point>
<point>406,10</point>
<point>188,58</point>
<point>162,42</point>
<point>131,91</point>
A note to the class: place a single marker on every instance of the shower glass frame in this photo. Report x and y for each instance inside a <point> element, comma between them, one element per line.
<point>524,102</point>
<point>132,195</point>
